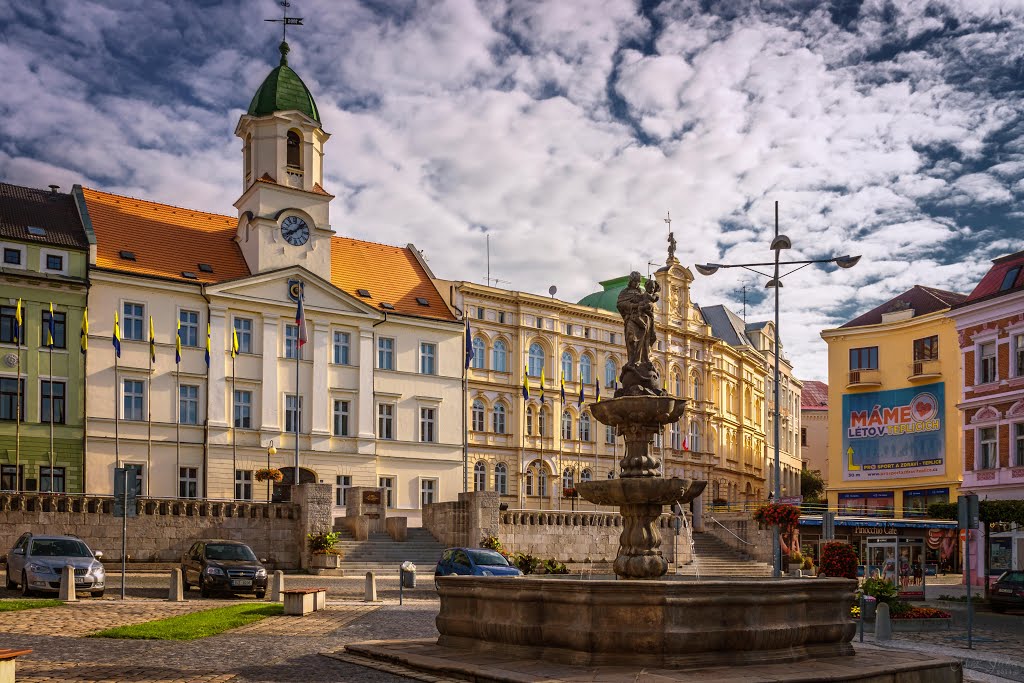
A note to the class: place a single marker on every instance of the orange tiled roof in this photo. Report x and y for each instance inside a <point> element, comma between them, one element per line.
<point>391,275</point>
<point>166,240</point>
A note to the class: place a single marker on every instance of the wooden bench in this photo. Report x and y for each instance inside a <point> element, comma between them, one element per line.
<point>301,601</point>
<point>7,665</point>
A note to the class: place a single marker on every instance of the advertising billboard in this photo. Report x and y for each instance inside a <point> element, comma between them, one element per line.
<point>894,434</point>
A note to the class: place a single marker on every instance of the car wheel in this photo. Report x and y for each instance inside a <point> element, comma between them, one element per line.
<point>260,595</point>
<point>25,590</point>
<point>11,583</point>
<point>97,594</point>
<point>204,592</point>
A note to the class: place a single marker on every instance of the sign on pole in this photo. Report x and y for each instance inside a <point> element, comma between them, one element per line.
<point>123,504</point>
<point>967,511</point>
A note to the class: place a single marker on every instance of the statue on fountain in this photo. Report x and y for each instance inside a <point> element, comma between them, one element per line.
<point>639,377</point>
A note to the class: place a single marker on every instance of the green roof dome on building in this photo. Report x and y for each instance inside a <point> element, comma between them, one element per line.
<point>608,296</point>
<point>283,90</point>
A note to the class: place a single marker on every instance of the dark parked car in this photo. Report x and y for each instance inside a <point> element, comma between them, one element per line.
<point>36,562</point>
<point>223,566</point>
<point>1007,592</point>
<point>473,562</point>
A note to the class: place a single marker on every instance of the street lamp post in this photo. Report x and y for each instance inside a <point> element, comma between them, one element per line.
<point>779,243</point>
<point>270,451</point>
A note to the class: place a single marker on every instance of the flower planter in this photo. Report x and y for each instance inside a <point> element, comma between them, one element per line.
<point>318,561</point>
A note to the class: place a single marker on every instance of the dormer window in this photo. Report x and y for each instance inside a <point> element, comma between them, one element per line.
<point>294,151</point>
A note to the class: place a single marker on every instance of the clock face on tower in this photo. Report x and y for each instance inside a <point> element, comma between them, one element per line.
<point>295,230</point>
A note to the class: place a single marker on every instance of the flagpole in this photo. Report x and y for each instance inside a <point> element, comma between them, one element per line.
<point>234,446</point>
<point>17,417</point>
<point>465,401</point>
<point>299,326</point>
<point>52,459</point>
<point>117,416</point>
<point>177,417</point>
<point>149,408</point>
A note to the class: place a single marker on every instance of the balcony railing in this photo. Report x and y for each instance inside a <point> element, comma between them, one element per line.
<point>864,378</point>
<point>924,369</point>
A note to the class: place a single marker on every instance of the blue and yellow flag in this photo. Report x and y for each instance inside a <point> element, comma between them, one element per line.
<point>116,339</point>
<point>208,345</point>
<point>234,342</point>
<point>152,341</point>
<point>17,324</point>
<point>579,403</point>
<point>177,345</point>
<point>469,345</point>
<point>597,391</point>
<point>49,328</point>
<point>526,384</point>
<point>563,388</point>
<point>542,386</point>
<point>83,335</point>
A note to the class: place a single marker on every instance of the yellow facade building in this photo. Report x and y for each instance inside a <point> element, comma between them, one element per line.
<point>893,425</point>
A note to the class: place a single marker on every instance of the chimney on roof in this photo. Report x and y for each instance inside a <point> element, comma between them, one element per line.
<point>54,188</point>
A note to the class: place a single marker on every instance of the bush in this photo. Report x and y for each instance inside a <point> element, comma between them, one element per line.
<point>323,543</point>
<point>882,590</point>
<point>524,562</point>
<point>553,566</point>
<point>492,543</point>
<point>808,562</point>
<point>838,559</point>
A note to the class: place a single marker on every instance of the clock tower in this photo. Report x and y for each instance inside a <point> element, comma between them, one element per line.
<point>284,212</point>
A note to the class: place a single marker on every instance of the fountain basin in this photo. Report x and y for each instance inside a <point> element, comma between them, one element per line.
<point>640,410</point>
<point>647,490</point>
<point>648,623</point>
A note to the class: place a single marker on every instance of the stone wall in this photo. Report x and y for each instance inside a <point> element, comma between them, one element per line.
<point>740,532</point>
<point>164,528</point>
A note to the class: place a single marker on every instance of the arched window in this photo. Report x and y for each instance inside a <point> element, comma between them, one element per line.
<point>500,356</point>
<point>586,369</point>
<point>695,437</point>
<point>716,491</point>
<point>479,353</point>
<point>294,150</point>
<point>676,435</point>
<point>611,372</point>
<point>480,477</point>
<point>566,425</point>
<point>585,427</point>
<point>586,475</point>
<point>478,416</point>
<point>498,418</point>
<point>567,366</point>
<point>567,482</point>
<point>529,482</point>
<point>501,478</point>
<point>529,421</point>
<point>542,421</point>
<point>697,395</point>
<point>677,384</point>
<point>542,482</point>
<point>536,359</point>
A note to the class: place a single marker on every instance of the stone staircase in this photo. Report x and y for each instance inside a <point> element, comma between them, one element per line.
<point>381,555</point>
<point>715,558</point>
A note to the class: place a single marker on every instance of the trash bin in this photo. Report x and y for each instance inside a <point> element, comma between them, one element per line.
<point>408,572</point>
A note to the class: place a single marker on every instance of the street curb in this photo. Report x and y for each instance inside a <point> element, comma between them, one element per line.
<point>1002,666</point>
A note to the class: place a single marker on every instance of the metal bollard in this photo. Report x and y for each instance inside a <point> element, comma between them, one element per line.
<point>276,586</point>
<point>883,625</point>
<point>67,584</point>
<point>370,594</point>
<point>175,592</point>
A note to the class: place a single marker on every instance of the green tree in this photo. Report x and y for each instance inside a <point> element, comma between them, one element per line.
<point>811,485</point>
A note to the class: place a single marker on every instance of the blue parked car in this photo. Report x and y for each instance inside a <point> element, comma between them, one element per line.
<point>473,562</point>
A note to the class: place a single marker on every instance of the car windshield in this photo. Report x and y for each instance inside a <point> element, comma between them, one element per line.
<point>1012,577</point>
<point>59,547</point>
<point>229,551</point>
<point>487,558</point>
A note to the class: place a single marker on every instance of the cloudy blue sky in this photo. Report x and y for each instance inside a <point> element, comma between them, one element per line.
<point>566,129</point>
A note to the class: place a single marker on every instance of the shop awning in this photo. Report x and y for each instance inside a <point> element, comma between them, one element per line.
<point>885,523</point>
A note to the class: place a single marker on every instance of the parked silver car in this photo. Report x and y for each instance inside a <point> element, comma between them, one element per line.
<point>36,562</point>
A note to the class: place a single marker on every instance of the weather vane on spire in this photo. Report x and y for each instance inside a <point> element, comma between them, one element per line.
<point>671,238</point>
<point>286,21</point>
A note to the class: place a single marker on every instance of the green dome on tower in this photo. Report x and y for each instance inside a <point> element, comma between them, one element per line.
<point>608,296</point>
<point>283,90</point>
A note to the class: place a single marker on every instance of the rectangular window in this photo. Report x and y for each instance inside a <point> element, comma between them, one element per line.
<point>59,329</point>
<point>1018,445</point>
<point>388,484</point>
<point>428,487</point>
<point>479,312</point>
<point>188,404</point>
<point>1018,343</point>
<point>243,409</point>
<point>864,359</point>
<point>132,320</point>
<point>386,353</point>
<point>609,434</point>
<point>57,389</point>
<point>134,400</point>
<point>988,459</point>
<point>428,425</point>
<point>8,324</point>
<point>51,479</point>
<point>292,413</point>
<point>927,348</point>
<point>188,482</point>
<point>803,436</point>
<point>341,414</point>
<point>12,257</point>
<point>385,421</point>
<point>291,341</point>
<point>243,330</point>
<point>10,407</point>
<point>342,344</point>
<point>540,323</point>
<point>243,484</point>
<point>987,363</point>
<point>54,262</point>
<point>1009,278</point>
<point>9,479</point>
<point>501,317</point>
<point>428,359</point>
<point>342,484</point>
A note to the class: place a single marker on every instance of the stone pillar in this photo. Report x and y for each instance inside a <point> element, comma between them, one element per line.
<point>175,593</point>
<point>369,503</point>
<point>883,625</point>
<point>370,592</point>
<point>67,584</point>
<point>276,585</point>
<point>698,513</point>
<point>484,519</point>
<point>315,507</point>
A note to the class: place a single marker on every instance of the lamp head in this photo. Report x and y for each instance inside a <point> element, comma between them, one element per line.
<point>271,450</point>
<point>846,261</point>
<point>773,283</point>
<point>781,242</point>
<point>706,268</point>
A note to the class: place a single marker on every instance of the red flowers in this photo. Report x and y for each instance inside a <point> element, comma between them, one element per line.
<point>921,613</point>
<point>838,559</point>
<point>784,515</point>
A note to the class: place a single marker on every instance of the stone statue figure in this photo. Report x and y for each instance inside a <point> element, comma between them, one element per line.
<point>636,306</point>
<point>671,247</point>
